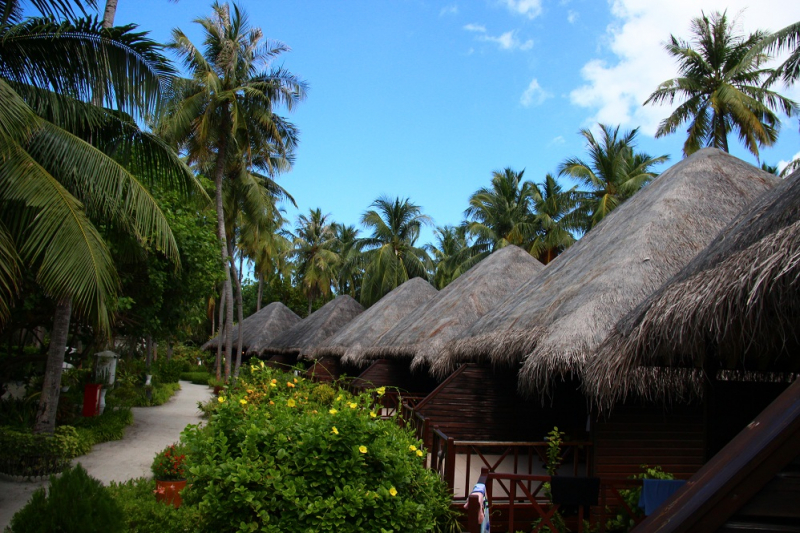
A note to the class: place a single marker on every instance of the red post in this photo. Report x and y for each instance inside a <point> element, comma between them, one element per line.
<point>91,399</point>
<point>450,464</point>
<point>473,508</point>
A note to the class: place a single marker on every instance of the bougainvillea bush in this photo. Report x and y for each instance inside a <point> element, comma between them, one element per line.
<point>283,454</point>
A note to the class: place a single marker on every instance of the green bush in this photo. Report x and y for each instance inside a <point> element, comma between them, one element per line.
<point>143,514</point>
<point>75,503</point>
<point>106,427</point>
<point>274,459</point>
<point>167,371</point>
<point>624,521</point>
<point>136,395</point>
<point>25,454</point>
<point>198,378</point>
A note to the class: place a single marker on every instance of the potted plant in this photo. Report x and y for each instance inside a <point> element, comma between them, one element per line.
<point>170,472</point>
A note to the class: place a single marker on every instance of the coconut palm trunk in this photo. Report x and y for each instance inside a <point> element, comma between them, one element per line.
<point>240,314</point>
<point>260,291</point>
<point>109,13</point>
<point>220,335</point>
<point>48,401</point>
<point>219,171</point>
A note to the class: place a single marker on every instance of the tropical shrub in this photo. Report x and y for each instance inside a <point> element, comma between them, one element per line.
<point>75,503</point>
<point>281,454</point>
<point>142,513</point>
<point>623,521</point>
<point>168,371</point>
<point>168,464</point>
<point>198,378</point>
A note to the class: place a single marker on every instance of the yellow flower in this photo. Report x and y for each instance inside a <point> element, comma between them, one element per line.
<point>381,391</point>
<point>272,385</point>
<point>290,384</point>
<point>362,449</point>
<point>334,430</point>
<point>274,381</point>
<point>249,391</point>
<point>333,411</point>
<point>353,405</point>
<point>262,364</point>
<point>290,403</point>
<point>243,401</point>
<point>412,448</point>
<point>314,411</point>
<point>295,380</point>
<point>419,453</point>
<point>271,402</point>
<point>373,414</point>
<point>221,399</point>
<point>339,398</point>
<point>393,492</point>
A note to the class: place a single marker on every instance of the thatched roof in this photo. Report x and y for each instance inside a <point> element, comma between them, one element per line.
<point>368,327</point>
<point>735,307</point>
<point>260,327</point>
<point>556,320</point>
<point>423,333</point>
<point>315,328</point>
<point>281,319</point>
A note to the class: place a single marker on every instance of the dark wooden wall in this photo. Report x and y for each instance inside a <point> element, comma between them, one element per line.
<point>397,374</point>
<point>479,403</point>
<point>635,435</point>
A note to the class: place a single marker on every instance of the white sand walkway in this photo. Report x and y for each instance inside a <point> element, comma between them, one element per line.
<point>152,430</point>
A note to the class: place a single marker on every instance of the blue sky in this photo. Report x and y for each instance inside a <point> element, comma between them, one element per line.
<point>424,99</point>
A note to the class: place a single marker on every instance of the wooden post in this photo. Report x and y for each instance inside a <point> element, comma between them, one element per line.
<point>473,508</point>
<point>450,464</point>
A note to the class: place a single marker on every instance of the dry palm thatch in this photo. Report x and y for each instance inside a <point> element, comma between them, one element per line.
<point>310,332</point>
<point>735,307</point>
<point>422,334</point>
<point>557,319</point>
<point>368,327</point>
<point>282,319</point>
<point>261,327</point>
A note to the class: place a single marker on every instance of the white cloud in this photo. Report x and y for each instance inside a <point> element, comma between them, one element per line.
<point>449,10</point>
<point>784,164</point>
<point>572,16</point>
<point>528,8</point>
<point>615,89</point>
<point>556,141</point>
<point>534,95</point>
<point>480,28</point>
<point>508,41</point>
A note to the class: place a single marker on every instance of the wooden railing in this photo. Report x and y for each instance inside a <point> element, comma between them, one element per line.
<point>525,498</point>
<point>526,457</point>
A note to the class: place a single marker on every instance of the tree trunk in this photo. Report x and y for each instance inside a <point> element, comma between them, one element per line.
<point>148,343</point>
<point>109,13</point>
<point>221,335</point>
<point>169,349</point>
<point>260,292</point>
<point>48,402</point>
<point>219,172</point>
<point>238,288</point>
<point>309,305</point>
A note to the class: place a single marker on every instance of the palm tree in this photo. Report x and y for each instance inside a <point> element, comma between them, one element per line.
<point>723,87</point>
<point>58,163</point>
<point>452,254</point>
<point>501,215</point>
<point>788,38</point>
<point>615,172</point>
<point>315,252</point>
<point>556,216</point>
<point>350,275</point>
<point>227,105</point>
<point>389,256</point>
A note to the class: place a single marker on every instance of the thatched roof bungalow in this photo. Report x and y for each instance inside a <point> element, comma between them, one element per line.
<point>310,332</point>
<point>260,327</point>
<point>553,323</point>
<point>369,326</point>
<point>420,337</point>
<point>735,307</point>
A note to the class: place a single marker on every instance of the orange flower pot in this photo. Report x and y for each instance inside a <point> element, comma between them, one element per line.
<point>169,492</point>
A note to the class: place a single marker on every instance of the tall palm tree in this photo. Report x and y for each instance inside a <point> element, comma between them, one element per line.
<point>389,256</point>
<point>226,104</point>
<point>556,216</point>
<point>615,171</point>
<point>315,247</point>
<point>723,87</point>
<point>452,254</point>
<point>501,214</point>
<point>59,166</point>
<point>350,275</point>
